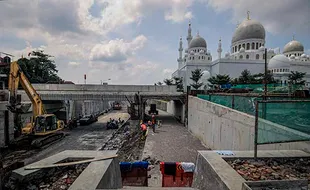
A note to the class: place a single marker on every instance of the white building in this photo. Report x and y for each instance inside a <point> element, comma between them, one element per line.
<point>247,52</point>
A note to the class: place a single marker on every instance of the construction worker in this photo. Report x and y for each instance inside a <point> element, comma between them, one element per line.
<point>144,131</point>
<point>153,123</point>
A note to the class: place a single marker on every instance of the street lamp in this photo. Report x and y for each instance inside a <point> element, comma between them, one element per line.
<point>104,81</point>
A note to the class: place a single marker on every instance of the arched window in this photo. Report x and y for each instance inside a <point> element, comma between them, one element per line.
<point>199,57</point>
<point>240,57</point>
<point>260,44</point>
<point>193,58</point>
<point>248,46</point>
<point>208,58</point>
<point>253,45</point>
<point>257,56</point>
<point>263,56</point>
<point>277,70</point>
<point>247,56</point>
<point>239,47</point>
<point>190,58</point>
<point>280,70</point>
<point>284,81</point>
<point>243,45</point>
<point>235,48</point>
<point>256,45</point>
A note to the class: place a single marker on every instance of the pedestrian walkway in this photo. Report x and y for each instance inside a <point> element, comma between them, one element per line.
<point>171,143</point>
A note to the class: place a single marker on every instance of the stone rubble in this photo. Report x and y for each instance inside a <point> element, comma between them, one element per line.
<point>272,168</point>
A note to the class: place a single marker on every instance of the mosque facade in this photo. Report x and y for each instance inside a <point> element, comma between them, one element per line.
<point>247,51</point>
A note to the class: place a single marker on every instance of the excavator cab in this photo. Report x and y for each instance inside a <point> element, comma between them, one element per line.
<point>45,123</point>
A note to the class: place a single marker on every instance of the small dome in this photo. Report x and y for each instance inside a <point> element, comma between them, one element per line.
<point>293,46</point>
<point>292,57</point>
<point>198,42</point>
<point>279,61</point>
<point>261,48</point>
<point>192,52</point>
<point>227,54</point>
<point>205,76</point>
<point>201,51</point>
<point>303,56</point>
<point>242,50</point>
<point>249,29</point>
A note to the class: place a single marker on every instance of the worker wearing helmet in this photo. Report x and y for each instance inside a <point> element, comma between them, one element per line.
<point>144,131</point>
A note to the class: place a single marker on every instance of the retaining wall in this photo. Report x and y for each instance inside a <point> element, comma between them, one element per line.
<point>223,128</point>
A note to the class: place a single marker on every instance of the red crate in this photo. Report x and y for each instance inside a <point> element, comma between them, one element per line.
<point>181,179</point>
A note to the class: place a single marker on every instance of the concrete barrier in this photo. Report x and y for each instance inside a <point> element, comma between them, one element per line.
<point>223,128</point>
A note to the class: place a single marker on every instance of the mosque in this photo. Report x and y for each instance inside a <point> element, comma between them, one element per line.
<point>247,51</point>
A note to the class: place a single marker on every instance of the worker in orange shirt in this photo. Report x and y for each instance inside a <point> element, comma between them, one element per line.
<point>144,131</point>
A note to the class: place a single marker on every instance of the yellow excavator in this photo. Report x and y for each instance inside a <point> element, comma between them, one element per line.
<point>43,128</point>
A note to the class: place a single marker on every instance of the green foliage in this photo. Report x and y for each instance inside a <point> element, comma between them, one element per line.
<point>247,78</point>
<point>179,83</point>
<point>159,83</point>
<point>196,75</point>
<point>296,77</point>
<point>219,79</point>
<point>168,81</point>
<point>39,69</point>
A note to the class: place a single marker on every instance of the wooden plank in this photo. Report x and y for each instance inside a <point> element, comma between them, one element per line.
<point>69,163</point>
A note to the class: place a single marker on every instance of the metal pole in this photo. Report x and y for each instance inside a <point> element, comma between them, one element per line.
<point>256,129</point>
<point>266,73</point>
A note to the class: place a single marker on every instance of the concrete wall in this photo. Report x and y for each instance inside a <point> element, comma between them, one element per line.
<point>160,104</point>
<point>177,108</point>
<point>222,128</point>
<point>105,87</point>
<point>11,124</point>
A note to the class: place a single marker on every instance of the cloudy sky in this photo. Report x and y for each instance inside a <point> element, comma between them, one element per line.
<point>136,41</point>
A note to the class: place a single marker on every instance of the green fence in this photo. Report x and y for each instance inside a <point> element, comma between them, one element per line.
<point>271,88</point>
<point>280,119</point>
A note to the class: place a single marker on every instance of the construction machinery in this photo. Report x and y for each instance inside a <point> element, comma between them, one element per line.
<point>43,128</point>
<point>117,106</point>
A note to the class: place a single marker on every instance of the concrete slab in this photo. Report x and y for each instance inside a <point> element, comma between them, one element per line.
<point>276,184</point>
<point>213,172</point>
<point>96,175</point>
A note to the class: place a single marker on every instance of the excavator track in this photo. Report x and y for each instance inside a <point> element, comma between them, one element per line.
<point>42,141</point>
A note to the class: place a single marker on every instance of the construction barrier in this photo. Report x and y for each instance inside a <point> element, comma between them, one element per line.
<point>177,174</point>
<point>134,173</point>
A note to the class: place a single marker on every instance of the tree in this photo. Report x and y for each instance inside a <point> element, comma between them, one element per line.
<point>168,81</point>
<point>219,79</point>
<point>179,83</point>
<point>296,77</point>
<point>39,69</point>
<point>159,83</point>
<point>196,75</point>
<point>246,77</point>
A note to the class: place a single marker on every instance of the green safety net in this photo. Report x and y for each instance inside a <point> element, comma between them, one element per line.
<point>278,122</point>
<point>283,122</point>
<point>274,88</point>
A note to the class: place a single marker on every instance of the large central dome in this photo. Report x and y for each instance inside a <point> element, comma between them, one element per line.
<point>198,42</point>
<point>249,29</point>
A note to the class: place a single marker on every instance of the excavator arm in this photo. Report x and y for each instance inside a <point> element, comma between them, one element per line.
<point>17,76</point>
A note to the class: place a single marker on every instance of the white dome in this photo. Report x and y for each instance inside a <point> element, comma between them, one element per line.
<point>201,52</point>
<point>205,76</point>
<point>292,57</point>
<point>249,29</point>
<point>242,50</point>
<point>261,48</point>
<point>198,42</point>
<point>279,61</point>
<point>303,56</point>
<point>192,52</point>
<point>308,56</point>
<point>293,46</point>
<point>227,54</point>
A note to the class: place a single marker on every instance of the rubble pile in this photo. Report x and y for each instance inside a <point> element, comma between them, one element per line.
<point>272,168</point>
<point>55,179</point>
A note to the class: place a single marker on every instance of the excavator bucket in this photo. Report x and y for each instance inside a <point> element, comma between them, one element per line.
<point>20,108</point>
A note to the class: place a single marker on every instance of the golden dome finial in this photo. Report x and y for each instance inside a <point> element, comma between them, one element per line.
<point>248,15</point>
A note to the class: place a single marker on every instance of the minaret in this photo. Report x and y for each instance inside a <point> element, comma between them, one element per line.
<point>219,49</point>
<point>180,60</point>
<point>189,33</point>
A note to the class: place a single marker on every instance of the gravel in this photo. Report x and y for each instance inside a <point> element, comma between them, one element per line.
<point>272,168</point>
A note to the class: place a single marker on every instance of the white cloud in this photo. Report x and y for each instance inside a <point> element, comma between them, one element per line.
<point>116,50</point>
<point>277,16</point>
<point>74,64</point>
